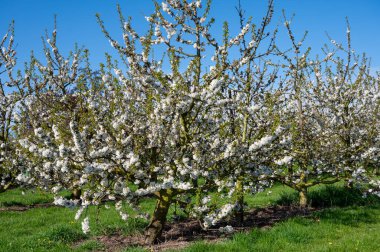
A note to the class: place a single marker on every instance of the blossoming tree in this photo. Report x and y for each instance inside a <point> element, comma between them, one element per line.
<point>142,130</point>
<point>331,105</point>
<point>8,101</point>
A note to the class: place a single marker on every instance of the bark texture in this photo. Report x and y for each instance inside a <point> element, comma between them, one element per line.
<point>157,223</point>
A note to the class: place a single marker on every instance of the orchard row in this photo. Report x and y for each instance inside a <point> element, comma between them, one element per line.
<point>209,119</point>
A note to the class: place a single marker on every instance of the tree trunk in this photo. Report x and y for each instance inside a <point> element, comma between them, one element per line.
<point>240,201</point>
<point>5,187</point>
<point>348,183</point>
<point>303,197</point>
<point>76,193</point>
<point>156,225</point>
<point>377,171</point>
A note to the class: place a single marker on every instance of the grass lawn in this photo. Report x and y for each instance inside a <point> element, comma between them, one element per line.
<point>22,197</point>
<point>351,223</point>
<point>347,229</point>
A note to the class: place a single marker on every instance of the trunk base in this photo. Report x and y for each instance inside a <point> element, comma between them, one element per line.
<point>154,230</point>
<point>6,187</point>
<point>240,201</point>
<point>303,198</point>
<point>76,193</point>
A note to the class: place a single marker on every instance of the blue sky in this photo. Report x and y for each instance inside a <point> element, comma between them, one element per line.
<point>77,23</point>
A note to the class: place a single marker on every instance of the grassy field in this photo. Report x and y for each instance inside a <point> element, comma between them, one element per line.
<point>350,223</point>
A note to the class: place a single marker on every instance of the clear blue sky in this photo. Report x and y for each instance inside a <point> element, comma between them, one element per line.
<point>77,23</point>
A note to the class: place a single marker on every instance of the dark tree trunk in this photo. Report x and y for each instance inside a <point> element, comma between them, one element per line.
<point>240,201</point>
<point>6,187</point>
<point>303,197</point>
<point>76,193</point>
<point>156,225</point>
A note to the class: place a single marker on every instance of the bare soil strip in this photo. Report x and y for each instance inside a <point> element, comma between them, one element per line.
<point>180,234</point>
<point>20,208</point>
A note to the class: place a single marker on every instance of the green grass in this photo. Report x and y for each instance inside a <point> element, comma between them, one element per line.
<point>268,197</point>
<point>27,197</point>
<point>347,229</point>
<point>38,229</point>
<point>329,196</point>
<point>22,197</point>
<point>54,228</point>
<point>353,223</point>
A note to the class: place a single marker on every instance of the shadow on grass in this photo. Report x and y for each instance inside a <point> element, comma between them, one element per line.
<point>331,196</point>
<point>26,198</point>
<point>352,216</point>
<point>345,206</point>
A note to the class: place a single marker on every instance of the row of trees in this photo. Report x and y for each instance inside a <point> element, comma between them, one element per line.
<point>166,127</point>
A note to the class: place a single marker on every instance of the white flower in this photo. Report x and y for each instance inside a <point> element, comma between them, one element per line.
<point>118,72</point>
<point>165,7</point>
<point>230,149</point>
<point>123,216</point>
<point>62,150</point>
<point>206,200</point>
<point>215,84</point>
<point>252,43</point>
<point>261,143</point>
<point>253,109</point>
<point>171,32</point>
<point>60,201</point>
<point>105,78</point>
<point>56,132</point>
<point>227,229</point>
<point>284,161</point>
<point>56,189</point>
<point>22,178</point>
<point>86,225</point>
<point>184,186</point>
<point>79,213</point>
<point>47,153</point>
<point>118,205</point>
<point>244,60</point>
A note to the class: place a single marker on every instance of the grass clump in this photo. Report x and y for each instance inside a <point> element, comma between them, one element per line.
<point>91,245</point>
<point>64,234</point>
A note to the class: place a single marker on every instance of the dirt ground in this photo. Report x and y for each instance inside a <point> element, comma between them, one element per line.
<point>25,208</point>
<point>180,234</point>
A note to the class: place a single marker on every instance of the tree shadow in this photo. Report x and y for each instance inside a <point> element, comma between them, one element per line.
<point>331,196</point>
<point>350,216</point>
